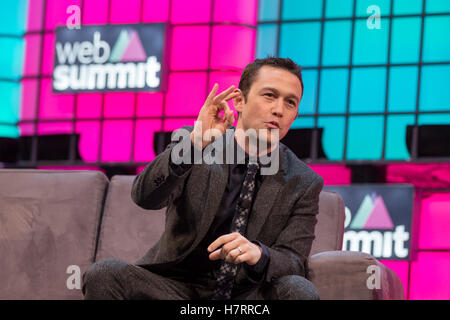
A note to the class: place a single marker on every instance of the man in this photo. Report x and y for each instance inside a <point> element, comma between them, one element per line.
<point>199,256</point>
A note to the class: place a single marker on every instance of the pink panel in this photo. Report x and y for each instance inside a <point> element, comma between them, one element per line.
<point>29,99</point>
<point>35,11</point>
<point>125,11</point>
<point>89,105</point>
<point>26,129</point>
<point>191,11</point>
<point>428,175</point>
<point>48,54</point>
<point>401,270</point>
<point>54,106</point>
<point>95,11</point>
<point>32,54</point>
<point>57,12</point>
<point>89,140</point>
<point>224,54</point>
<point>190,45</point>
<point>430,276</point>
<point>174,124</point>
<point>116,144</point>
<point>119,104</point>
<point>61,127</point>
<point>149,104</point>
<point>156,11</point>
<point>236,11</point>
<point>144,139</point>
<point>434,228</point>
<point>187,93</point>
<point>333,174</point>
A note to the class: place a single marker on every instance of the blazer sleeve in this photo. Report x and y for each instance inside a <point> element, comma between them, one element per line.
<point>160,180</point>
<point>289,254</point>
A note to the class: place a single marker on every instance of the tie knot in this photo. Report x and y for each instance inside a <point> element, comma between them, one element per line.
<point>253,166</point>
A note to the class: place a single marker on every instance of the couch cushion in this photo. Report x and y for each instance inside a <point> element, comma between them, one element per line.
<point>48,222</point>
<point>127,231</point>
<point>330,223</point>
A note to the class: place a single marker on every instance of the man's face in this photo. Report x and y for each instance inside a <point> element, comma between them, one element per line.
<point>272,102</point>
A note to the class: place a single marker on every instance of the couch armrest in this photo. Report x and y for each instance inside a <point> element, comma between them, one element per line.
<point>344,275</point>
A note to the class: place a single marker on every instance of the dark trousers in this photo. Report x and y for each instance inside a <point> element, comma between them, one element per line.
<point>116,279</point>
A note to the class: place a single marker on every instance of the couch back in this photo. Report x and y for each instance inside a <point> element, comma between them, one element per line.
<point>54,224</point>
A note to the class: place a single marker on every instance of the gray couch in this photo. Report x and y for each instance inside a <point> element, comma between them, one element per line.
<point>54,224</point>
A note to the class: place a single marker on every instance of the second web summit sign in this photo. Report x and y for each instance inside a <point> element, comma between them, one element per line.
<point>109,58</point>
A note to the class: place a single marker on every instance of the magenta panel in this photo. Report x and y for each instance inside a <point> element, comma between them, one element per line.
<point>174,124</point>
<point>35,11</point>
<point>156,11</point>
<point>57,127</point>
<point>187,93</point>
<point>190,45</point>
<point>430,276</point>
<point>401,270</point>
<point>116,144</point>
<point>333,174</point>
<point>149,104</point>
<point>434,227</point>
<point>427,175</point>
<point>89,132</point>
<point>54,106</point>
<point>125,11</point>
<point>56,14</point>
<point>119,104</point>
<point>48,54</point>
<point>32,54</point>
<point>95,12</point>
<point>26,129</point>
<point>143,150</point>
<point>29,99</point>
<point>89,105</point>
<point>224,54</point>
<point>237,11</point>
<point>191,11</point>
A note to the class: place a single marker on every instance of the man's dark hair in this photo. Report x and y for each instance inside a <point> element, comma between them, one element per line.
<point>251,71</point>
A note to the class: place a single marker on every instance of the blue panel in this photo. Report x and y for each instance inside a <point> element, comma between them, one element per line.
<point>333,136</point>
<point>9,110</point>
<point>434,88</point>
<point>436,41</point>
<point>396,137</point>
<point>268,10</point>
<point>368,87</point>
<point>436,118</point>
<point>336,43</point>
<point>301,9</point>
<point>333,90</point>
<point>402,80</point>
<point>9,131</point>
<point>13,17</point>
<point>300,42</point>
<point>365,136</point>
<point>437,6</point>
<point>339,8</point>
<point>308,103</point>
<point>266,43</point>
<point>303,122</point>
<point>11,57</point>
<point>363,5</point>
<point>405,42</point>
<point>407,6</point>
<point>370,45</point>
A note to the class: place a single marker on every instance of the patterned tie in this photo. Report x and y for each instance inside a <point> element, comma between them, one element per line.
<point>228,270</point>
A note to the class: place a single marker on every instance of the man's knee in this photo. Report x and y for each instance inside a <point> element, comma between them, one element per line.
<point>294,287</point>
<point>103,273</point>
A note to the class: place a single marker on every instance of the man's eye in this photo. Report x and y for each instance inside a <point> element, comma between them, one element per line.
<point>268,94</point>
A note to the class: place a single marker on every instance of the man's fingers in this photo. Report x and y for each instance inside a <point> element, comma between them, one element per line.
<point>212,94</point>
<point>223,94</point>
<point>222,240</point>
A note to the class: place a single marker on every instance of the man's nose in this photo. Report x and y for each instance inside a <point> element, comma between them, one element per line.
<point>277,108</point>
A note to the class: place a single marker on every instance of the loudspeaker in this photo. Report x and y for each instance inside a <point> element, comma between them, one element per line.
<point>161,139</point>
<point>9,149</point>
<point>50,147</point>
<point>433,140</point>
<point>300,142</point>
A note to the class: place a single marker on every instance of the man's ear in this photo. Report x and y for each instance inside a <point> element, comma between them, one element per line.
<point>238,101</point>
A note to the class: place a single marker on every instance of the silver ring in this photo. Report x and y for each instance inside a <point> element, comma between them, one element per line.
<point>240,250</point>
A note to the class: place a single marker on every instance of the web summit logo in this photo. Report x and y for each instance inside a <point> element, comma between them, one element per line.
<point>384,240</point>
<point>108,58</point>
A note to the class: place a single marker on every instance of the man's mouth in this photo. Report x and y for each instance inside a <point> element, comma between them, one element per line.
<point>273,124</point>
